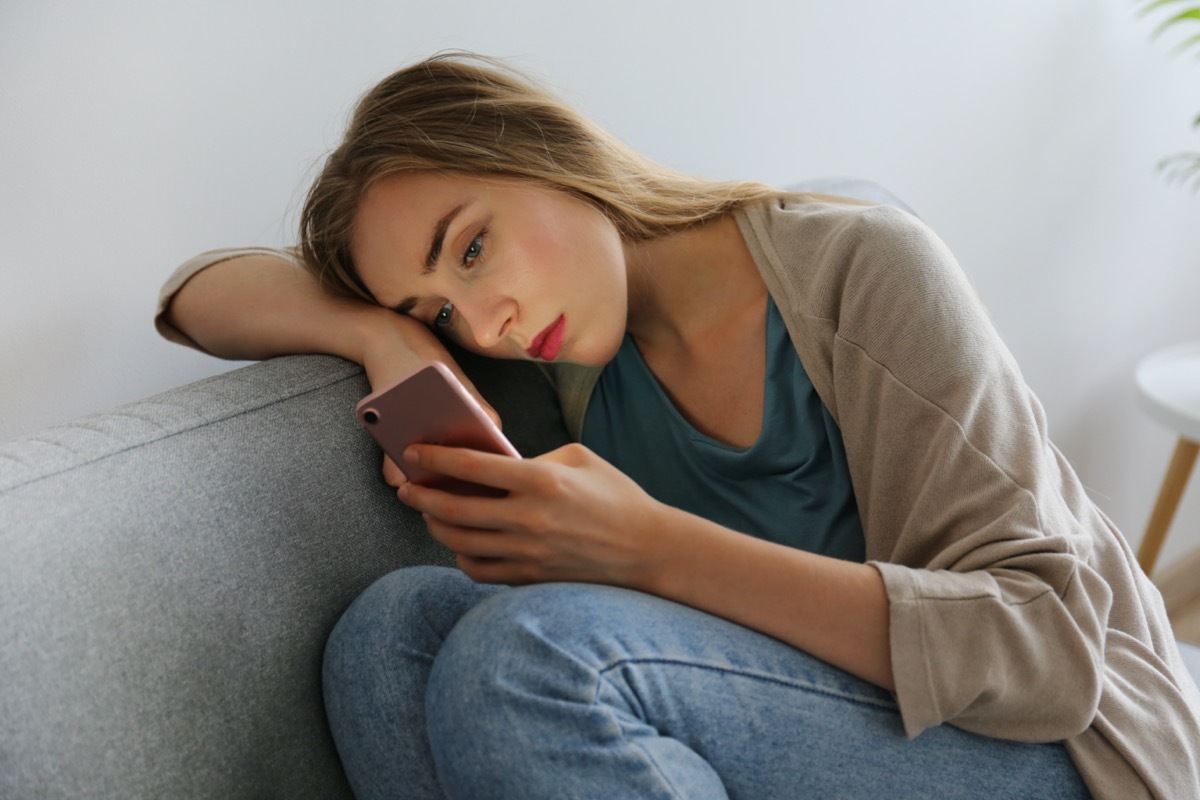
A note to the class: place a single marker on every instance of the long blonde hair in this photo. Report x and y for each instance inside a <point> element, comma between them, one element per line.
<point>467,114</point>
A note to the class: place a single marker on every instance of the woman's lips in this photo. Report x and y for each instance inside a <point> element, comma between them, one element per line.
<point>547,343</point>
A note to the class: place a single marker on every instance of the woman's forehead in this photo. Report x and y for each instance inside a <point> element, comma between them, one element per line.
<point>410,196</point>
<point>398,214</point>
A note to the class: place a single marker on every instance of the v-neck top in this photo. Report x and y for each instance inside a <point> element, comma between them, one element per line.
<point>792,486</point>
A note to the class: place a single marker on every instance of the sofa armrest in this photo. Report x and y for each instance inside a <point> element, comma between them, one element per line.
<point>171,570</point>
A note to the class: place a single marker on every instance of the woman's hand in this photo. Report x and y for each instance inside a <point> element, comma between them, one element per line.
<point>395,349</point>
<point>568,516</point>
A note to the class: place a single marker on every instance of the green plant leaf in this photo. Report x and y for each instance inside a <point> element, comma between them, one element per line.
<point>1148,7</point>
<point>1191,13</point>
<point>1191,41</point>
<point>1182,168</point>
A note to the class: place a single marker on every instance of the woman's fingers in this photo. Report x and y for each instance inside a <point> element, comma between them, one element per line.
<point>392,474</point>
<point>474,466</point>
<point>567,515</point>
<point>472,542</point>
<point>492,556</point>
<point>466,511</point>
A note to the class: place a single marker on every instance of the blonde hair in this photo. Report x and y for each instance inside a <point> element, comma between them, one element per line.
<point>463,113</point>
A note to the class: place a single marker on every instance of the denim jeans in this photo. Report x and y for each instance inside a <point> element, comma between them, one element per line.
<point>437,686</point>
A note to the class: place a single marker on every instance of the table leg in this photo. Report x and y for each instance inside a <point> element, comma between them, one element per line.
<point>1168,501</point>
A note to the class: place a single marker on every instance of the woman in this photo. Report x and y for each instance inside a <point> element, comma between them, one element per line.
<point>814,541</point>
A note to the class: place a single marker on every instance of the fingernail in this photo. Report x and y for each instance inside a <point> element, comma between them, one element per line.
<point>410,455</point>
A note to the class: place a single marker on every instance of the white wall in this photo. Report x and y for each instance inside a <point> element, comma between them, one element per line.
<point>134,134</point>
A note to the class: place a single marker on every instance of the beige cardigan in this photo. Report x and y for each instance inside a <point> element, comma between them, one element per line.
<point>1017,609</point>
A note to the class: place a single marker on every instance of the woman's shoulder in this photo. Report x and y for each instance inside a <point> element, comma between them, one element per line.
<point>815,244</point>
<point>821,219</point>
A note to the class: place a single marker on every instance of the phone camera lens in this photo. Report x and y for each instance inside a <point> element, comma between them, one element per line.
<point>370,417</point>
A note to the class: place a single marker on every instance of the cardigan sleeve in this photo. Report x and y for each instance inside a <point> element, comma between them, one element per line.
<point>981,531</point>
<point>185,271</point>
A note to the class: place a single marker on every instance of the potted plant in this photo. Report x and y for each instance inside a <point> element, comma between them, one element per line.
<point>1182,167</point>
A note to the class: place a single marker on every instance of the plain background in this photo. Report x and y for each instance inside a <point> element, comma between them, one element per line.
<point>134,135</point>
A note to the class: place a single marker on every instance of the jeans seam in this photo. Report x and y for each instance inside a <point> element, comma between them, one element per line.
<point>807,686</point>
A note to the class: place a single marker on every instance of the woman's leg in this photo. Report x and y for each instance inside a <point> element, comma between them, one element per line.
<point>574,691</point>
<point>377,663</point>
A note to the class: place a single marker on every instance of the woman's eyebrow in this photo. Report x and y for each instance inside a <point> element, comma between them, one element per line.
<point>406,305</point>
<point>439,237</point>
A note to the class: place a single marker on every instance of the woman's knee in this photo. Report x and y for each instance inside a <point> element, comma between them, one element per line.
<point>506,667</point>
<point>529,621</point>
<point>412,609</point>
<point>545,639</point>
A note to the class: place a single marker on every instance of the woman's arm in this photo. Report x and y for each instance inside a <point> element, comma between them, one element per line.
<point>261,305</point>
<point>570,516</point>
<point>835,610</point>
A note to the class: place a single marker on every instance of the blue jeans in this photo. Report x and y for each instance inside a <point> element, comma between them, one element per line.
<point>437,686</point>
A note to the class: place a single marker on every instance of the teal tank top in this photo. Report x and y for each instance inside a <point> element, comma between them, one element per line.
<point>792,486</point>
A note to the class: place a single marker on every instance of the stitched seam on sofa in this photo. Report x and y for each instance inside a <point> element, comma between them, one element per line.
<point>200,426</point>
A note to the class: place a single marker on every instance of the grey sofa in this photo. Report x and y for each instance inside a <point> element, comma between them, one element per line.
<point>169,572</point>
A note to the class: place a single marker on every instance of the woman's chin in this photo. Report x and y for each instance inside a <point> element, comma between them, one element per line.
<point>594,357</point>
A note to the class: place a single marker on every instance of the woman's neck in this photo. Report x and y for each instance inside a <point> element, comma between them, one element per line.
<point>686,288</point>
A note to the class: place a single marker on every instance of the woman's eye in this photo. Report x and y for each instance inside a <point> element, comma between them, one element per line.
<point>444,316</point>
<point>474,250</point>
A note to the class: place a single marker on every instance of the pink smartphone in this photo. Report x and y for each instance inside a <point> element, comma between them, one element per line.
<point>431,405</point>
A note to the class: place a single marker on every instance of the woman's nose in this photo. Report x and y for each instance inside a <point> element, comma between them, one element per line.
<point>489,319</point>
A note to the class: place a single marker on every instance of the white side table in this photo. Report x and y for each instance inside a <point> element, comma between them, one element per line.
<point>1168,384</point>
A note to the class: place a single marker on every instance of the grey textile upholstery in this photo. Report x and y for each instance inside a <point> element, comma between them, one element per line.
<point>169,572</point>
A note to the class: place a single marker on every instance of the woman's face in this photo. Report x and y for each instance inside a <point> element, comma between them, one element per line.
<point>508,268</point>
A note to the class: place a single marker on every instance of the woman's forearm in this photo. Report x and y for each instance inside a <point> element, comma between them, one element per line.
<point>259,306</point>
<point>835,610</point>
